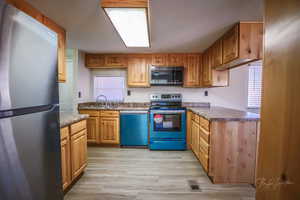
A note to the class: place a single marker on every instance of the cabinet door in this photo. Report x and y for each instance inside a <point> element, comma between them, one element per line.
<point>176,59</point>
<point>189,129</point>
<point>217,54</point>
<point>138,71</point>
<point>206,72</point>
<point>78,153</point>
<point>94,60</point>
<point>160,59</point>
<point>115,60</point>
<point>65,157</point>
<point>192,70</point>
<point>231,45</point>
<point>93,130</point>
<point>109,130</point>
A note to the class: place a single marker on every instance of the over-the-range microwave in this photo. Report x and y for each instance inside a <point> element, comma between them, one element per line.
<point>167,76</point>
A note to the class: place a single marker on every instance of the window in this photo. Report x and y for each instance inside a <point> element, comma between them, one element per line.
<point>254,86</point>
<point>111,87</point>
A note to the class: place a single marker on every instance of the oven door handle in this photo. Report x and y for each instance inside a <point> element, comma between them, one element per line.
<point>166,111</point>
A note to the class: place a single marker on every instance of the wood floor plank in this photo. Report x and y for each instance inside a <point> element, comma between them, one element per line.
<point>140,174</point>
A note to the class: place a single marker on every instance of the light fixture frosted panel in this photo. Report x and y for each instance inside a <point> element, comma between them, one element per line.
<point>131,24</point>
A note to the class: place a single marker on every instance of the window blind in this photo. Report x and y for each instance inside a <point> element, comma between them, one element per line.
<point>254,86</point>
<point>111,87</point>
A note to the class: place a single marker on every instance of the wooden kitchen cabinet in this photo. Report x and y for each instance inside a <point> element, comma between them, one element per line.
<point>189,129</point>
<point>192,71</point>
<point>94,60</point>
<point>159,60</point>
<point>242,44</point>
<point>217,54</point>
<point>105,61</point>
<point>93,126</point>
<point>210,76</point>
<point>138,72</point>
<point>176,60</point>
<point>78,153</point>
<point>110,129</point>
<point>115,60</point>
<point>225,149</point>
<point>65,157</point>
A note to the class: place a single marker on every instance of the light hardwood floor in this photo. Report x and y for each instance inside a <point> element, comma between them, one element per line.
<point>140,174</point>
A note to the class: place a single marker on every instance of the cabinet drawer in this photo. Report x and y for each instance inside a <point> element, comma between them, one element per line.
<point>204,123</point>
<point>78,127</point>
<point>196,118</point>
<point>111,113</point>
<point>64,132</point>
<point>91,113</point>
<point>205,134</point>
<point>204,146</point>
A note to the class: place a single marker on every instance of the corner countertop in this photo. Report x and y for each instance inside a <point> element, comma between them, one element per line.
<point>224,114</point>
<point>67,118</point>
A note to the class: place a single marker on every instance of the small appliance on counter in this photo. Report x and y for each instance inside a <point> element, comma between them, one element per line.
<point>134,128</point>
<point>167,122</point>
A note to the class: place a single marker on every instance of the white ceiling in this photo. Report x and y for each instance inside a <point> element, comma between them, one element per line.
<point>176,25</point>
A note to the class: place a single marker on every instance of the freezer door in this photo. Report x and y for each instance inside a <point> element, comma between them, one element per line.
<point>28,61</point>
<point>30,167</point>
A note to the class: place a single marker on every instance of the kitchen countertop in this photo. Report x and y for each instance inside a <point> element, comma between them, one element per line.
<point>224,114</point>
<point>67,118</point>
<point>203,109</point>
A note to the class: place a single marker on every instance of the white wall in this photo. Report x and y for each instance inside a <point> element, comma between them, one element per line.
<point>84,78</point>
<point>234,96</point>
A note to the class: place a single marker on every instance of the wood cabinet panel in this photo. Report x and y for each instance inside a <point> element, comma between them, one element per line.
<point>65,157</point>
<point>109,130</point>
<point>93,130</point>
<point>94,60</point>
<point>206,71</point>
<point>195,138</point>
<point>109,113</point>
<point>192,71</point>
<point>159,59</point>
<point>78,153</point>
<point>115,60</point>
<point>138,74</point>
<point>231,44</point>
<point>217,54</point>
<point>189,129</point>
<point>176,60</point>
<point>78,126</point>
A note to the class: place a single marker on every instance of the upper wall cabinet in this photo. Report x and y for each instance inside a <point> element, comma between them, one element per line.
<point>61,33</point>
<point>217,54</point>
<point>138,70</point>
<point>210,76</point>
<point>106,60</point>
<point>176,59</point>
<point>241,45</point>
<point>160,59</point>
<point>192,70</point>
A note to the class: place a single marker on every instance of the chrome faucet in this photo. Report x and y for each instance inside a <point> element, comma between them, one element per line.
<point>98,99</point>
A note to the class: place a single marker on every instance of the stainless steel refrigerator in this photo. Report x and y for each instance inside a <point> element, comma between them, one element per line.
<point>30,166</point>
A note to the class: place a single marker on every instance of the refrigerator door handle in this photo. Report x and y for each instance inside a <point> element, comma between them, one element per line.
<point>25,111</point>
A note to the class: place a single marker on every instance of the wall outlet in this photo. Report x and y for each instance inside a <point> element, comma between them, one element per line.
<point>206,93</point>
<point>128,93</point>
<point>79,94</point>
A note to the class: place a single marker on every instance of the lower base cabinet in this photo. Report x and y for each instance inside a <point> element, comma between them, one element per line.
<point>225,149</point>
<point>73,152</point>
<point>103,126</point>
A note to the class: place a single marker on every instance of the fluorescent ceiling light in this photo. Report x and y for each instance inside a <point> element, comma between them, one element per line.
<point>131,24</point>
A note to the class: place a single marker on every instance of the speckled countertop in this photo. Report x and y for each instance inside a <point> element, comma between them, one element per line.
<point>122,106</point>
<point>67,118</point>
<point>227,114</point>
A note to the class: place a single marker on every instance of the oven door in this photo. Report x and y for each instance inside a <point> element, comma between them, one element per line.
<point>167,124</point>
